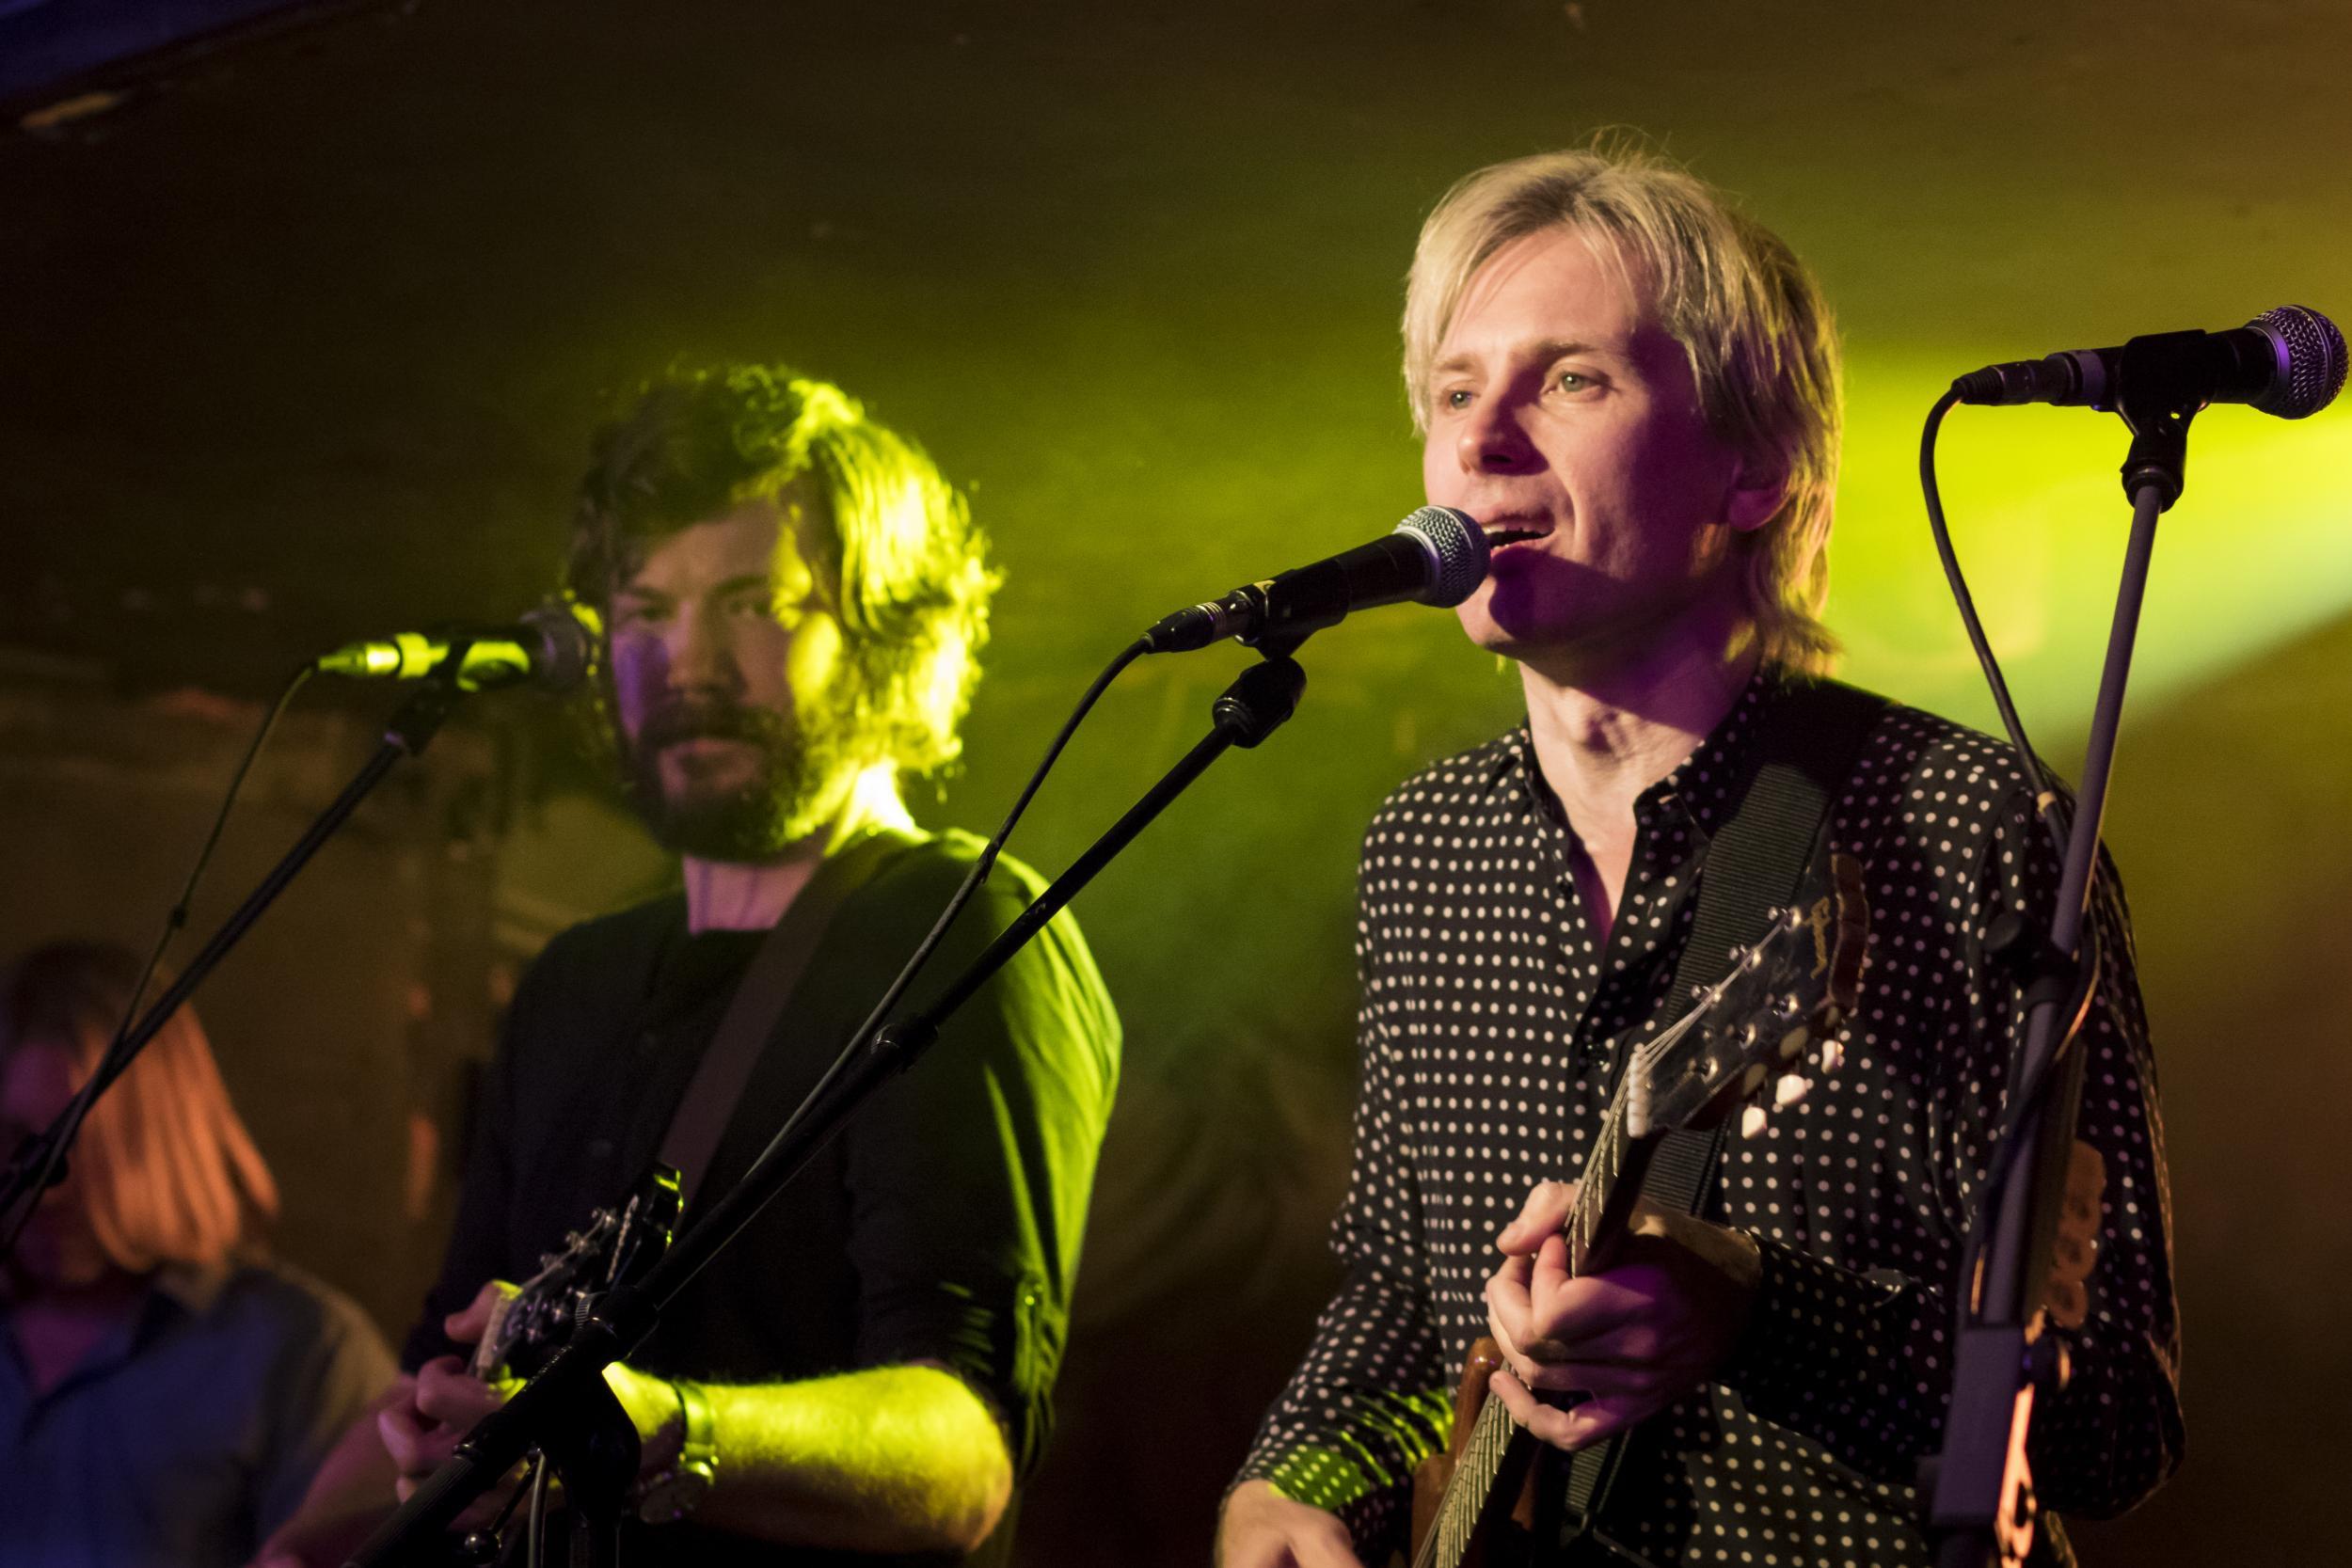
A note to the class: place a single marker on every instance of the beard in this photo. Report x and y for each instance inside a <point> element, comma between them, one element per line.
<point>799,762</point>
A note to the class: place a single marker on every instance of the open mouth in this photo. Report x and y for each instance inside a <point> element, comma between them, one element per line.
<point>1513,531</point>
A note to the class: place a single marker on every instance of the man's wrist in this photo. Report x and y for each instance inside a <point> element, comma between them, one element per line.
<point>681,1462</point>
<point>664,1444</point>
<point>654,1408</point>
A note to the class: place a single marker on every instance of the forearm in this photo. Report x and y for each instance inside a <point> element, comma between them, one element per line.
<point>349,1497</point>
<point>1857,1362</point>
<point>1359,1413</point>
<point>895,1458</point>
<point>1860,1364</point>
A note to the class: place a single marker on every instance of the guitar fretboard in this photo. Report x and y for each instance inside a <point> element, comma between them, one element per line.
<point>1481,1461</point>
<point>1473,1478</point>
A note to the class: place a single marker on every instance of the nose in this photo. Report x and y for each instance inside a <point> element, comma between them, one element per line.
<point>701,657</point>
<point>1492,441</point>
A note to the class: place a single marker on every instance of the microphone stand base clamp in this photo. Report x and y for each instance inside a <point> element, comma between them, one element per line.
<point>2159,426</point>
<point>1260,700</point>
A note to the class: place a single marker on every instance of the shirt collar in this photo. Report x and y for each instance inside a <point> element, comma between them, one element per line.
<point>192,1287</point>
<point>1705,786</point>
<point>1697,794</point>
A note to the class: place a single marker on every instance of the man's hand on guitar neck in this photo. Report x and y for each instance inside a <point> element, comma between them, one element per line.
<point>1663,1317</point>
<point>1263,1529</point>
<point>434,1410</point>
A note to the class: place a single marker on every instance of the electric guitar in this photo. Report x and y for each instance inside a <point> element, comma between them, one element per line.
<point>1778,1010</point>
<point>526,1329</point>
<point>615,1246</point>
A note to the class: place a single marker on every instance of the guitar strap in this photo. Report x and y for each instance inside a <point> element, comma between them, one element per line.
<point>1811,734</point>
<point>757,1006</point>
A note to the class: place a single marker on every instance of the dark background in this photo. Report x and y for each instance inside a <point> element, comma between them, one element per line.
<point>303,328</point>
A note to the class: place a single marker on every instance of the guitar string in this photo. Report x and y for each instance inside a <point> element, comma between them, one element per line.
<point>1466,1494</point>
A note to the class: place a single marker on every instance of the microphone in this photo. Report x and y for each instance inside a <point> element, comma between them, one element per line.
<point>2289,362</point>
<point>553,647</point>
<point>1437,556</point>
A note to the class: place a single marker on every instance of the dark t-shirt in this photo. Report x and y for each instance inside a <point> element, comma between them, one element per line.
<point>942,1225</point>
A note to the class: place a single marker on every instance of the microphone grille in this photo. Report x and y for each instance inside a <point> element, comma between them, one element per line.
<point>568,641</point>
<point>2312,367</point>
<point>1459,547</point>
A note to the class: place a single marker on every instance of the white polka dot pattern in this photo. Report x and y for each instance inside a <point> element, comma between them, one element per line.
<point>1489,1025</point>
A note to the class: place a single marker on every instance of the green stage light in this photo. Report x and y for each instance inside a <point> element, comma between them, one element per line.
<point>2257,551</point>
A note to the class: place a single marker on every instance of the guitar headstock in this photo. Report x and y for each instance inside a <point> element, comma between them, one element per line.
<point>616,1245</point>
<point>1777,1013</point>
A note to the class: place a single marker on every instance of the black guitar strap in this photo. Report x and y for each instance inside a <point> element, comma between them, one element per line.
<point>757,1006</point>
<point>1811,734</point>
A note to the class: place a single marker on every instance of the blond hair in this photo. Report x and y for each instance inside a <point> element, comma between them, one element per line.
<point>1750,317</point>
<point>164,1169</point>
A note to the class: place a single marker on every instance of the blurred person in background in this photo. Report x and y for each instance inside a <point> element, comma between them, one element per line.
<point>167,1390</point>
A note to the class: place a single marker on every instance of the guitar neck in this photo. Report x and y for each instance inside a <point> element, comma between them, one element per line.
<point>1604,1203</point>
<point>1605,1198</point>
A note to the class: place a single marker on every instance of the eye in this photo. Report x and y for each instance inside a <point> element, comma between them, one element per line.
<point>634,613</point>
<point>1573,381</point>
<point>1458,398</point>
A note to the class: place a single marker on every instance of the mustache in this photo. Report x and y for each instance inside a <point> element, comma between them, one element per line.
<point>674,722</point>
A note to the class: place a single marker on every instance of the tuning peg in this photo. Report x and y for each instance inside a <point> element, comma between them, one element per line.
<point>1792,1044</point>
<point>1752,1121</point>
<point>1833,1055</point>
<point>1753,1079</point>
<point>1791,1088</point>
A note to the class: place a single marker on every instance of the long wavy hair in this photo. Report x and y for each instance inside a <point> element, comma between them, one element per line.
<point>896,555</point>
<point>164,1169</point>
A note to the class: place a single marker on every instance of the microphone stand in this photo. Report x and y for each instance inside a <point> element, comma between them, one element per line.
<point>557,1403</point>
<point>1983,1507</point>
<point>40,1160</point>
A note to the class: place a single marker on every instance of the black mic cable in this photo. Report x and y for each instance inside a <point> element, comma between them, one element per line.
<point>112,1062</point>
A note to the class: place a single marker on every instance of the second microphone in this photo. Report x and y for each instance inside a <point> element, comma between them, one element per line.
<point>1437,556</point>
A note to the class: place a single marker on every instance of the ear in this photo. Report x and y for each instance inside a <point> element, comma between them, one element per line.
<point>1760,483</point>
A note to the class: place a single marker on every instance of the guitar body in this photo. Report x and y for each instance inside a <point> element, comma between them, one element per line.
<point>1434,1475</point>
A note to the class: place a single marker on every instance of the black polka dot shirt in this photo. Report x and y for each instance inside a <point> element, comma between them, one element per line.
<point>1491,1022</point>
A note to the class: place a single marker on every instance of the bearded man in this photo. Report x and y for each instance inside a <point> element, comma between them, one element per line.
<point>793,599</point>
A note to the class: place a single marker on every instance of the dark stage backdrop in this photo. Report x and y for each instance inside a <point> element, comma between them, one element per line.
<point>303,337</point>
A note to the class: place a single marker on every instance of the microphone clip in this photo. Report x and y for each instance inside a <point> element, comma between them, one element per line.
<point>2156,406</point>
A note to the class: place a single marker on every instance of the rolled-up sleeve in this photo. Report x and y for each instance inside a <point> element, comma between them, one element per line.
<point>968,1177</point>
